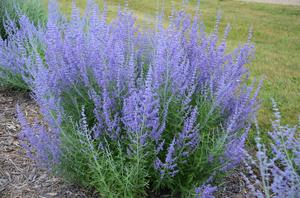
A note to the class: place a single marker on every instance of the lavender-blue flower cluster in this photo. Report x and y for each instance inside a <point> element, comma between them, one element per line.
<point>17,51</point>
<point>278,164</point>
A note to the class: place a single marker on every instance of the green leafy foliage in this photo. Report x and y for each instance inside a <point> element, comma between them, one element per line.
<point>11,80</point>
<point>113,172</point>
<point>33,9</point>
<point>109,170</point>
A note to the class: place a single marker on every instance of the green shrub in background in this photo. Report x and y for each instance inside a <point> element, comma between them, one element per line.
<point>33,9</point>
<point>21,26</point>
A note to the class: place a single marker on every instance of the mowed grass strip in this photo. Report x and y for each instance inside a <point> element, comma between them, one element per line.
<point>276,35</point>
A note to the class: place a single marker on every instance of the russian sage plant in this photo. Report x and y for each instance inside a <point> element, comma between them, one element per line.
<point>279,166</point>
<point>22,23</point>
<point>133,112</point>
<point>18,50</point>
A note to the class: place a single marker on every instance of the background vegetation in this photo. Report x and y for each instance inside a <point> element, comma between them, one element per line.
<point>34,10</point>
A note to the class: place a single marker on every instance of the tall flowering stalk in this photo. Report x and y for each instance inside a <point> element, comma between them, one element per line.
<point>17,51</point>
<point>279,165</point>
<point>170,103</point>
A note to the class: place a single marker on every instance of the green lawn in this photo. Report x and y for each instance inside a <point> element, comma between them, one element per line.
<point>276,37</point>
